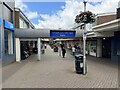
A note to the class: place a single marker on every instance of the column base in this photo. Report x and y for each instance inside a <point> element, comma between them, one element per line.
<point>18,61</point>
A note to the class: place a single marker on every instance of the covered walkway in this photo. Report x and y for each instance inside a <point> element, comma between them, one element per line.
<point>53,71</point>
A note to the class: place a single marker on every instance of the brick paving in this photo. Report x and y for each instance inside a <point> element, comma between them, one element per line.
<point>54,71</point>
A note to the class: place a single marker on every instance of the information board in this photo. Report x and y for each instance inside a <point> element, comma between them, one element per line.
<point>62,33</point>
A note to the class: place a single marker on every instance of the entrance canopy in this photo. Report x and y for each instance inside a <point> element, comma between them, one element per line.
<point>47,33</point>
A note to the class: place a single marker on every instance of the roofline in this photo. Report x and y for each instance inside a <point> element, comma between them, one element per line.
<point>78,26</point>
<point>104,24</point>
<point>105,14</point>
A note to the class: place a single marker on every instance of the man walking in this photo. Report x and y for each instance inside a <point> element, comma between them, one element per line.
<point>63,52</point>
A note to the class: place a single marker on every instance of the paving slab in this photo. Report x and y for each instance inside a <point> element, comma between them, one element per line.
<point>53,71</point>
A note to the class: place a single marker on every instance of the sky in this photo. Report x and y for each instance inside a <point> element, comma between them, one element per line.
<point>41,8</point>
<point>61,13</point>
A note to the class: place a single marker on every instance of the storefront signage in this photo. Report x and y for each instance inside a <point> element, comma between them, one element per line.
<point>62,33</point>
<point>0,21</point>
<point>8,25</point>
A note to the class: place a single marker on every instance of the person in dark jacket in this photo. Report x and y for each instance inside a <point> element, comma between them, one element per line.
<point>62,45</point>
<point>63,52</point>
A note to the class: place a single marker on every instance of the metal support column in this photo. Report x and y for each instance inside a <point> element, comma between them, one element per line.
<point>84,44</point>
<point>39,49</point>
<point>1,43</point>
<point>18,55</point>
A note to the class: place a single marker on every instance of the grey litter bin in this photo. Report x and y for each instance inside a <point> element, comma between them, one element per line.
<point>55,49</point>
<point>79,63</point>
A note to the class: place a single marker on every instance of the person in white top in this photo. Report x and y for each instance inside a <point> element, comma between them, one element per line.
<point>45,46</point>
<point>73,50</point>
<point>59,50</point>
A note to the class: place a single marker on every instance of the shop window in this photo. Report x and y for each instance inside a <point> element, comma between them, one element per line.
<point>23,23</point>
<point>8,42</point>
<point>93,47</point>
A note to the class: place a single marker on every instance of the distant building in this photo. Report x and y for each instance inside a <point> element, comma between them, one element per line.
<point>21,21</point>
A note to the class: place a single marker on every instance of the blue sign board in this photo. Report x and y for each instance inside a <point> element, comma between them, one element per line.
<point>8,25</point>
<point>0,21</point>
<point>62,33</point>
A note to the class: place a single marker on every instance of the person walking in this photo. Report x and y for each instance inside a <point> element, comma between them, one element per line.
<point>63,52</point>
<point>62,45</point>
<point>73,50</point>
<point>43,48</point>
<point>59,50</point>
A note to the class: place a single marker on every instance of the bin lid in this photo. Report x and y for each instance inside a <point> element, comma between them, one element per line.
<point>78,55</point>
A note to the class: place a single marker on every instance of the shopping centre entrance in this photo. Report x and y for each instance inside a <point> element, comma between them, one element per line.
<point>28,37</point>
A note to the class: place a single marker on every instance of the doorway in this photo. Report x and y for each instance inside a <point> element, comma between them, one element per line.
<point>106,47</point>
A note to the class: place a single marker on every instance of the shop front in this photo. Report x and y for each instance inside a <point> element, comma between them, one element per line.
<point>94,47</point>
<point>91,47</point>
<point>26,49</point>
<point>116,46</point>
<point>8,42</point>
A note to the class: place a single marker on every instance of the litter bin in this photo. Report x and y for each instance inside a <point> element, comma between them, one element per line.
<point>55,49</point>
<point>35,50</point>
<point>79,63</point>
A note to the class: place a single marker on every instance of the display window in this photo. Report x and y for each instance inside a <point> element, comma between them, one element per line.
<point>8,42</point>
<point>93,48</point>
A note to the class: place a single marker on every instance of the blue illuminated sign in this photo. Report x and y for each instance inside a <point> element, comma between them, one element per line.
<point>62,33</point>
<point>8,25</point>
<point>0,21</point>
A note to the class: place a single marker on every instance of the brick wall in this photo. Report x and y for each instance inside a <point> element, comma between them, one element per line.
<point>104,19</point>
<point>17,15</point>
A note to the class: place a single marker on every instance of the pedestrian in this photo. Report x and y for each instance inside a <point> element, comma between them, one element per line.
<point>59,50</point>
<point>45,46</point>
<point>62,45</point>
<point>73,50</point>
<point>63,52</point>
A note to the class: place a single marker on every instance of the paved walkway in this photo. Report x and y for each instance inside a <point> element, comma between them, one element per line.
<point>54,71</point>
